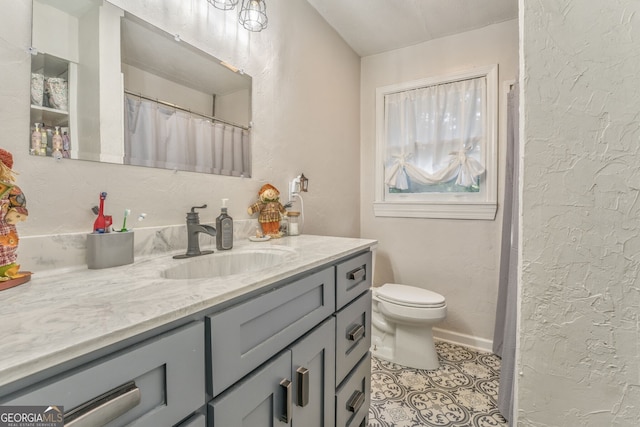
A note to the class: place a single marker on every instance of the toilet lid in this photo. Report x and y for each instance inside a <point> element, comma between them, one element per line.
<point>409,296</point>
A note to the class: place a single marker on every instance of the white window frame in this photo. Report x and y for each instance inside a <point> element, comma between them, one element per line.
<point>480,205</point>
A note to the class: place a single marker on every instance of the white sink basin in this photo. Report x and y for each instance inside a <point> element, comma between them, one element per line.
<point>229,263</point>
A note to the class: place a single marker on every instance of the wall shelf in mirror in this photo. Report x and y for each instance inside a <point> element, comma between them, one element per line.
<point>51,82</point>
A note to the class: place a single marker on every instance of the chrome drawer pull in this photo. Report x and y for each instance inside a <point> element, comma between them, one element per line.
<point>355,333</point>
<point>357,274</point>
<point>286,408</point>
<point>104,408</point>
<point>355,401</point>
<point>302,375</point>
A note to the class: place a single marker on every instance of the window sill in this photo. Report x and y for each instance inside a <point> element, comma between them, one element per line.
<point>446,210</point>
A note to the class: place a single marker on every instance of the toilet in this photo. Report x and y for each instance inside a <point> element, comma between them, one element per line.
<point>402,319</point>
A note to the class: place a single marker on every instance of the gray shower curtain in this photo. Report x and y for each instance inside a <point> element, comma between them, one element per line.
<point>504,337</point>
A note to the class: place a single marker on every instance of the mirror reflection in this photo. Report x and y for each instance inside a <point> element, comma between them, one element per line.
<point>144,98</point>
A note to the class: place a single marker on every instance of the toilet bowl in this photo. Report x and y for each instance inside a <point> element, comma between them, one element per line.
<point>402,321</point>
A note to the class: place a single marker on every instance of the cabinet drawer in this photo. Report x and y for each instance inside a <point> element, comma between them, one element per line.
<point>354,396</point>
<point>353,334</point>
<point>353,277</point>
<point>163,375</point>
<point>246,335</point>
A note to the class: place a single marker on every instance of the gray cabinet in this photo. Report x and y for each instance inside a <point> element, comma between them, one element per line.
<point>295,355</point>
<point>158,382</point>
<point>353,340</point>
<point>329,367</point>
<point>295,388</point>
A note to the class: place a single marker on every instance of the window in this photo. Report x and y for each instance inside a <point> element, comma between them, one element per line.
<point>437,147</point>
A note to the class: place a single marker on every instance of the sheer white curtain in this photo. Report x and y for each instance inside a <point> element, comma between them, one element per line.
<point>435,134</point>
<point>163,137</point>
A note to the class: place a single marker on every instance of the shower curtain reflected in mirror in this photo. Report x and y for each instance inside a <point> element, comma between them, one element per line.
<point>504,337</point>
<point>164,137</point>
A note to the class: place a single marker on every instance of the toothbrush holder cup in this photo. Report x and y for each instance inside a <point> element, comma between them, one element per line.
<point>106,250</point>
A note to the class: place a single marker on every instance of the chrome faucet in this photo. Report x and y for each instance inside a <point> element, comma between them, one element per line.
<point>194,228</point>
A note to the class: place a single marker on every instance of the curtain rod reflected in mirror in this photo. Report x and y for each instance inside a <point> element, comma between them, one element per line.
<point>186,110</point>
<point>149,63</point>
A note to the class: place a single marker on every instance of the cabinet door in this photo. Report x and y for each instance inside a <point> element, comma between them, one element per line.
<point>263,399</point>
<point>313,377</point>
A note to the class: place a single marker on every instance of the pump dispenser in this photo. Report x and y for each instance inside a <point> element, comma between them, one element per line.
<point>224,225</point>
<point>36,140</point>
<point>56,144</point>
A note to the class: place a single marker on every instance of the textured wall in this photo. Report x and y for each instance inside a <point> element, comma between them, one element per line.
<point>457,258</point>
<point>580,332</point>
<point>305,110</point>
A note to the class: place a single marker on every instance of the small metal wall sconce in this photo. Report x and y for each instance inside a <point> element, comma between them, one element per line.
<point>304,183</point>
<point>298,185</point>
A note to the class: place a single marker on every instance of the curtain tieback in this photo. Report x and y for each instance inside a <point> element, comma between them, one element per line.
<point>395,175</point>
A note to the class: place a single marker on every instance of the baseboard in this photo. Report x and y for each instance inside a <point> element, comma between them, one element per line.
<point>476,343</point>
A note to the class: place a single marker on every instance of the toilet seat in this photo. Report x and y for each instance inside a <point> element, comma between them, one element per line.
<point>409,296</point>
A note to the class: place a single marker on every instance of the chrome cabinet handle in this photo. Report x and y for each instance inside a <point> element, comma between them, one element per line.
<point>355,333</point>
<point>357,274</point>
<point>286,407</point>
<point>104,408</point>
<point>302,375</point>
<point>355,401</point>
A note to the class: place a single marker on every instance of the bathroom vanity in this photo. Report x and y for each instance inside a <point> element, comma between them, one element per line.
<point>164,342</point>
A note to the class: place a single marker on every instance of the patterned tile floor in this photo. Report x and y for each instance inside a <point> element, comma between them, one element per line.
<point>462,393</point>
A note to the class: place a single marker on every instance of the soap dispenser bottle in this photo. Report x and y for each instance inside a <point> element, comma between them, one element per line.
<point>36,140</point>
<point>56,144</point>
<point>45,140</point>
<point>224,227</point>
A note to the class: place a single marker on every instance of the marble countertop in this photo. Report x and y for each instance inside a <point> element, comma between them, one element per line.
<point>63,314</point>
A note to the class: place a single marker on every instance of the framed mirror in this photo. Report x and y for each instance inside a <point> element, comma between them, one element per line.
<point>107,86</point>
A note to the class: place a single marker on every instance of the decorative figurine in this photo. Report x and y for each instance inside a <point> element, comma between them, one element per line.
<point>270,209</point>
<point>13,209</point>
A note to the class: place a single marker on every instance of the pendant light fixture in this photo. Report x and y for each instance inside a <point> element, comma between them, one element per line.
<point>223,4</point>
<point>253,15</point>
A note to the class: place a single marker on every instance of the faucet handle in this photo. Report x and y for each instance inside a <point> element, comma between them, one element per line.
<point>193,209</point>
<point>193,217</point>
